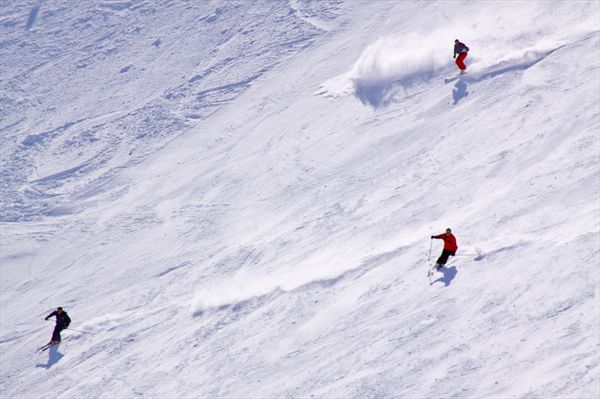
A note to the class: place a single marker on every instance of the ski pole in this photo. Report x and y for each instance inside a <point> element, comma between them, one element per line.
<point>430,245</point>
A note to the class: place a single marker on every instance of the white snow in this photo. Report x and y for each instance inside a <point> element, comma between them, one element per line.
<point>235,198</point>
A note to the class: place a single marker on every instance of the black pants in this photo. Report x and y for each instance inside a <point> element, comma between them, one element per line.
<point>444,256</point>
<point>56,333</point>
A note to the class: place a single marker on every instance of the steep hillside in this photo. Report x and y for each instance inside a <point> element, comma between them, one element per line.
<point>235,199</point>
<point>89,90</point>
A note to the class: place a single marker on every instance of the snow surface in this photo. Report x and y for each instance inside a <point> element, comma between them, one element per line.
<point>235,198</point>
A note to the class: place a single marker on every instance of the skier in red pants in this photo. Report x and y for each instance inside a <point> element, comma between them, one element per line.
<point>461,50</point>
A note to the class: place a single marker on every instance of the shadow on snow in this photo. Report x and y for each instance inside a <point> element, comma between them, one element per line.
<point>53,357</point>
<point>449,275</point>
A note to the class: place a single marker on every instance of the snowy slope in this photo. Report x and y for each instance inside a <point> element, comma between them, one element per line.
<point>234,199</point>
<point>100,86</point>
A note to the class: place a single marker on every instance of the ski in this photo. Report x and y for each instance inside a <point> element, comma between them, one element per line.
<point>462,76</point>
<point>47,346</point>
<point>431,271</point>
<point>451,78</point>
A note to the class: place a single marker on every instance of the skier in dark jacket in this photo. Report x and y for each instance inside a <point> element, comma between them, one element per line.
<point>450,247</point>
<point>461,50</point>
<point>62,322</point>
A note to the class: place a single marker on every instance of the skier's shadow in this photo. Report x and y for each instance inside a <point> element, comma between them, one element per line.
<point>53,357</point>
<point>449,275</point>
<point>460,91</point>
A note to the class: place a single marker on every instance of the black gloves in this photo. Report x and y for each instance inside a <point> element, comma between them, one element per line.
<point>432,237</point>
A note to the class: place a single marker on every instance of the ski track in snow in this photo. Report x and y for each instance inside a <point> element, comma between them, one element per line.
<point>164,80</point>
<point>234,199</point>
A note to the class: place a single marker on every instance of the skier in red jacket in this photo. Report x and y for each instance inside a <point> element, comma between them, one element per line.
<point>450,247</point>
